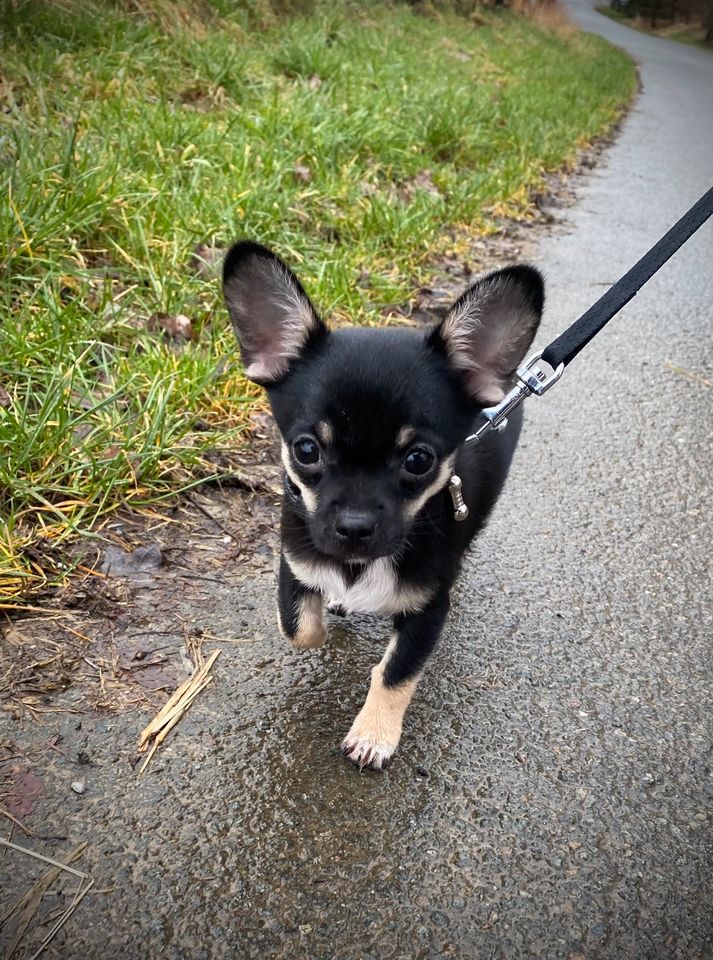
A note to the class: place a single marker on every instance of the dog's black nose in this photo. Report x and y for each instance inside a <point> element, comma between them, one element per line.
<point>355,526</point>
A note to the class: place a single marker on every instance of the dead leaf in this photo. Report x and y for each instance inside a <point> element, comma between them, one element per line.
<point>422,181</point>
<point>111,452</point>
<point>25,788</point>
<point>302,173</point>
<point>433,304</point>
<point>5,398</point>
<point>176,326</point>
<point>69,287</point>
<point>134,563</point>
<point>207,260</point>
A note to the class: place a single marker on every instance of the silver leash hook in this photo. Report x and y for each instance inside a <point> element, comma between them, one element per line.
<point>532,379</point>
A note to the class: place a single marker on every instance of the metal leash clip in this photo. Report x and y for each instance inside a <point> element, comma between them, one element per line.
<point>533,379</point>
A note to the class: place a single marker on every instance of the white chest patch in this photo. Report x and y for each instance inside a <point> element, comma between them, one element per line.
<point>376,591</point>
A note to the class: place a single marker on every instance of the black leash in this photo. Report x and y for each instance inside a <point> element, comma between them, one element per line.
<point>558,354</point>
<point>566,347</point>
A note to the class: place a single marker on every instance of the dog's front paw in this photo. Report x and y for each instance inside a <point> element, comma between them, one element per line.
<point>303,625</point>
<point>367,750</point>
<point>376,732</point>
<point>310,636</point>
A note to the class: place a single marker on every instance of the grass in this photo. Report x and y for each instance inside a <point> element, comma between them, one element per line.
<point>692,34</point>
<point>131,132</point>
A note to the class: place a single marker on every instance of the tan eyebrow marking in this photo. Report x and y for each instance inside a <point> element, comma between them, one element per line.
<point>406,435</point>
<point>325,432</point>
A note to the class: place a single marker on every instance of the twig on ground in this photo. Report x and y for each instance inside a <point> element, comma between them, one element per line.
<point>79,896</point>
<point>91,573</point>
<point>689,375</point>
<point>211,516</point>
<point>27,905</point>
<point>25,830</point>
<point>213,639</point>
<point>174,708</point>
<point>26,606</point>
<point>82,636</point>
<point>54,863</point>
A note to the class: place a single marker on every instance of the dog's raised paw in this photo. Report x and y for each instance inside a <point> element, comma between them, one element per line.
<point>308,631</point>
<point>367,752</point>
<point>311,637</point>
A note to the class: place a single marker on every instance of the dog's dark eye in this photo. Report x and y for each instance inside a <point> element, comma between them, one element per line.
<point>306,451</point>
<point>418,461</point>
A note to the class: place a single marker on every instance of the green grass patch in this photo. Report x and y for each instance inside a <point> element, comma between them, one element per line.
<point>358,140</point>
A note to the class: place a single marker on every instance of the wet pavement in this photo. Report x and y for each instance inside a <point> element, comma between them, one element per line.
<point>552,794</point>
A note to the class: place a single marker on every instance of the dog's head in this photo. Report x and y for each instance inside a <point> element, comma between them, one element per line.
<point>371,420</point>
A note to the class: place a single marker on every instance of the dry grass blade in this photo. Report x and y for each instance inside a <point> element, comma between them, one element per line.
<point>27,905</point>
<point>689,375</point>
<point>172,719</point>
<point>81,893</point>
<point>175,715</point>
<point>29,908</point>
<point>25,830</point>
<point>177,696</point>
<point>53,863</point>
<point>175,707</point>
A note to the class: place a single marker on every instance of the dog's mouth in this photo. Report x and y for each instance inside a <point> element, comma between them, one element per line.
<point>354,557</point>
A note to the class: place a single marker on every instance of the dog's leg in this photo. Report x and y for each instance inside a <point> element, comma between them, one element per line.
<point>299,611</point>
<point>376,732</point>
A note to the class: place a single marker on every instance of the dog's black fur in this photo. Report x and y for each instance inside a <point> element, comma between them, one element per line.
<point>359,411</point>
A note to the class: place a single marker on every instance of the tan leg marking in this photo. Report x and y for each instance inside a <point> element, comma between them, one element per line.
<point>311,629</point>
<point>376,732</point>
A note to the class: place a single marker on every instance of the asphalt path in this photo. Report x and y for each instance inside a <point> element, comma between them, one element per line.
<point>552,794</point>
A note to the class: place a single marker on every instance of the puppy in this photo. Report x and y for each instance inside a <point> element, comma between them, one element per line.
<point>372,425</point>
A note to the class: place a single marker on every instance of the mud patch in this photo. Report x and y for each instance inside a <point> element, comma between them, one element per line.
<point>119,638</point>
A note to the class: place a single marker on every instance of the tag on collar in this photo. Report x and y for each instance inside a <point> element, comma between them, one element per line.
<point>455,487</point>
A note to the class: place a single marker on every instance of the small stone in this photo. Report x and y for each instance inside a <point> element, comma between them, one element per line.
<point>175,326</point>
<point>78,786</point>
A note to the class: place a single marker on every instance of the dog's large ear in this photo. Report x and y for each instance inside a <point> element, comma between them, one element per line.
<point>489,329</point>
<point>272,316</point>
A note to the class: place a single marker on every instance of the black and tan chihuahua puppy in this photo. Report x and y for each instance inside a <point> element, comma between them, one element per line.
<point>373,424</point>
